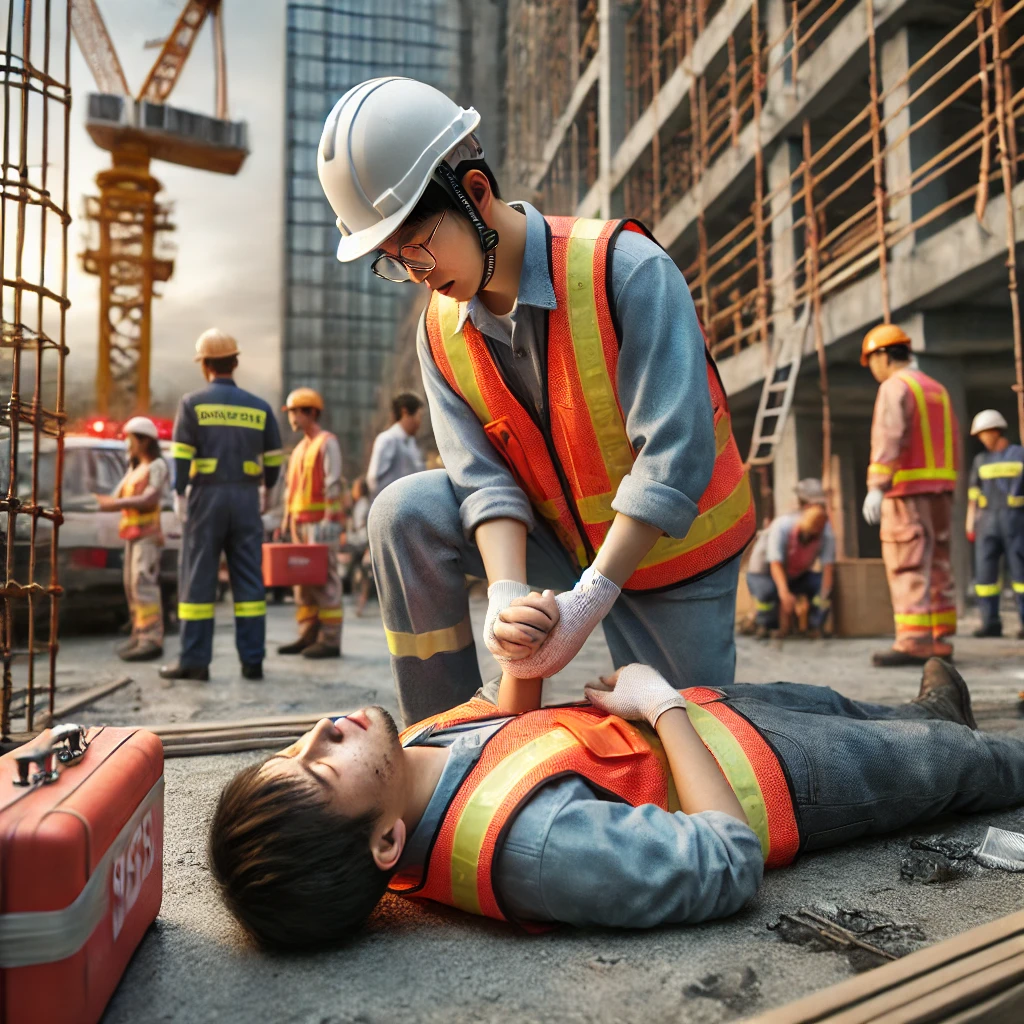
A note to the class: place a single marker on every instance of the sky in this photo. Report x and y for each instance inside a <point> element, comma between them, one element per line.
<point>229,229</point>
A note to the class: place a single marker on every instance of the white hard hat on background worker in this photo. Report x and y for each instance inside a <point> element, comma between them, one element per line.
<point>215,344</point>
<point>142,425</point>
<point>385,140</point>
<point>988,419</point>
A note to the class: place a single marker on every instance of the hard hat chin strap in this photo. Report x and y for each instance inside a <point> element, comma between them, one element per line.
<point>488,236</point>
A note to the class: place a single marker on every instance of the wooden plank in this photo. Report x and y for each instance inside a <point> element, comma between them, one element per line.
<point>45,719</point>
<point>307,719</point>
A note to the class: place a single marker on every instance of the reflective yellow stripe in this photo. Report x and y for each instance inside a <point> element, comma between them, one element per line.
<point>182,451</point>
<point>922,415</point>
<point>973,493</point>
<point>331,614</point>
<point>1015,500</point>
<point>204,466</point>
<point>765,606</point>
<point>306,612</point>
<point>194,612</point>
<point>880,469</point>
<point>251,468</point>
<point>934,473</point>
<point>250,609</point>
<point>999,470</point>
<point>476,816</point>
<point>145,613</point>
<point>595,382</point>
<point>707,525</point>
<point>274,458</point>
<point>821,602</point>
<point>231,416</point>
<point>947,426</point>
<point>904,619</point>
<point>457,350</point>
<point>944,618</point>
<point>988,589</point>
<point>426,645</point>
<point>736,768</point>
<point>1018,588</point>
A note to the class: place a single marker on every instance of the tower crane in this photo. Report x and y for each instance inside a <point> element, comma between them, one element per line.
<point>127,223</point>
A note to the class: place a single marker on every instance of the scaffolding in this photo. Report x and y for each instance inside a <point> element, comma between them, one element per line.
<point>845,197</point>
<point>34,220</point>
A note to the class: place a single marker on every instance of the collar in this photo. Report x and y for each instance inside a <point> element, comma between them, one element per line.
<point>535,285</point>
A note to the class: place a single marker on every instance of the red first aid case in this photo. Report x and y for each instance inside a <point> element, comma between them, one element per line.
<point>81,868</point>
<point>295,565</point>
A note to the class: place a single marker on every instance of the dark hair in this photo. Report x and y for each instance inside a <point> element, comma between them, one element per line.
<point>435,198</point>
<point>406,401</point>
<point>360,487</point>
<point>898,353</point>
<point>293,872</point>
<point>222,366</point>
<point>150,448</point>
<point>309,410</point>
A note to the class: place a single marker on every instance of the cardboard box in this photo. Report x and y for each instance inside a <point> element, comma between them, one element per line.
<point>295,565</point>
<point>860,599</point>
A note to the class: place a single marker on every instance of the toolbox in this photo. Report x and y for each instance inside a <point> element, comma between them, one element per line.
<point>295,565</point>
<point>81,868</point>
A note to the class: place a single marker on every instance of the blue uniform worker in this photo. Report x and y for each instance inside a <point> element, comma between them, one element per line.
<point>226,442</point>
<point>996,519</point>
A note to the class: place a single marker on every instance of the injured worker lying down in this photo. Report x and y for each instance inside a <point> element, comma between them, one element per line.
<point>639,806</point>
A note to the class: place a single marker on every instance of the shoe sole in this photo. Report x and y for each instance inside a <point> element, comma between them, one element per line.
<point>961,685</point>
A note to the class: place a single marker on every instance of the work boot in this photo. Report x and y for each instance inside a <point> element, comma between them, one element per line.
<point>1020,633</point>
<point>200,673</point>
<point>322,650</point>
<point>944,693</point>
<point>252,669</point>
<point>144,650</point>
<point>989,629</point>
<point>894,658</point>
<point>306,639</point>
<point>128,645</point>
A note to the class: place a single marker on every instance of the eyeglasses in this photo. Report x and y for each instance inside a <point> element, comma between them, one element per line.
<point>416,258</point>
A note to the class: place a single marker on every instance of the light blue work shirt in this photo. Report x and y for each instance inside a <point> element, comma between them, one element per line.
<point>575,856</point>
<point>662,383</point>
<point>773,544</point>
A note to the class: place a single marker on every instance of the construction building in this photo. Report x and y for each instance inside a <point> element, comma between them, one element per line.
<point>341,324</point>
<point>845,159</point>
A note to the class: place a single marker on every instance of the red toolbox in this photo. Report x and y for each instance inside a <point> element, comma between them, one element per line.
<point>295,565</point>
<point>81,868</point>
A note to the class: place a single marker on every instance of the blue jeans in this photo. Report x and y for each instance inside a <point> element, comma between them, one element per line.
<point>766,596</point>
<point>859,769</point>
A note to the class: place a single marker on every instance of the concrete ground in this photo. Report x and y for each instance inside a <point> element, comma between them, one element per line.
<point>426,963</point>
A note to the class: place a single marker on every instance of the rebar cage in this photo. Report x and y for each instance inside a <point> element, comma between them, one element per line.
<point>35,66</point>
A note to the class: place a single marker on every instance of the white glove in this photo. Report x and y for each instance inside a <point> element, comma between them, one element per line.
<point>641,692</point>
<point>872,510</point>
<point>180,507</point>
<point>580,610</point>
<point>500,595</point>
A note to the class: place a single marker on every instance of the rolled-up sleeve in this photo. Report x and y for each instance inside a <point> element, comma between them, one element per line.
<point>482,482</point>
<point>574,858</point>
<point>663,391</point>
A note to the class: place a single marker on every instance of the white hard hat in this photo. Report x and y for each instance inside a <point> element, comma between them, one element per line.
<point>142,425</point>
<point>213,343</point>
<point>987,419</point>
<point>379,148</point>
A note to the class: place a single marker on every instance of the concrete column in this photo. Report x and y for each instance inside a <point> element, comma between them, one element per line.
<point>777,14</point>
<point>784,160</point>
<point>898,54</point>
<point>611,99</point>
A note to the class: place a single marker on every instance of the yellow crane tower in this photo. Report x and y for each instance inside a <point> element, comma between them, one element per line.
<point>126,221</point>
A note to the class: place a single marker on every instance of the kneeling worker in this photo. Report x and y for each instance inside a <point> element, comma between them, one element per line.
<point>226,441</point>
<point>313,516</point>
<point>995,519</point>
<point>782,563</point>
<point>304,845</point>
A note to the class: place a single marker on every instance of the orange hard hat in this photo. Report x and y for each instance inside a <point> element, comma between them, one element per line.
<point>215,344</point>
<point>881,337</point>
<point>303,398</point>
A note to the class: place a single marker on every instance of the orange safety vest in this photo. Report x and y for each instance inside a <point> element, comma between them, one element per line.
<point>307,501</point>
<point>572,472</point>
<point>928,462</point>
<point>624,759</point>
<point>136,523</point>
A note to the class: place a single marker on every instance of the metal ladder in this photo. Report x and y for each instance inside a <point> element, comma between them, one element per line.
<point>777,393</point>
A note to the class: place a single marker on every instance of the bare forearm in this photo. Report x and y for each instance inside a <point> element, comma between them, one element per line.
<point>778,572</point>
<point>828,573</point>
<point>502,544</point>
<point>145,502</point>
<point>628,542</point>
<point>518,695</point>
<point>700,784</point>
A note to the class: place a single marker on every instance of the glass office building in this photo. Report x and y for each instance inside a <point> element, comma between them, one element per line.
<point>339,320</point>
